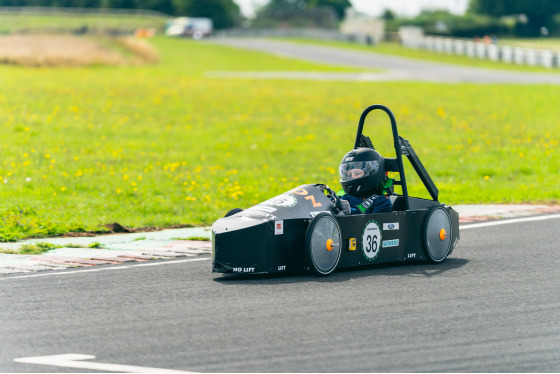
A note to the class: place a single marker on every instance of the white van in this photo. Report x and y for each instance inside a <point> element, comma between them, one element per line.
<point>195,27</point>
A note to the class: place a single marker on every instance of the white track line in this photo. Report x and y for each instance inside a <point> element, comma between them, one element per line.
<point>508,221</point>
<point>76,361</point>
<point>103,269</point>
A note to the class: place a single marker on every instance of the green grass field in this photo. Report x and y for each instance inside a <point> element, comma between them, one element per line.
<point>163,145</point>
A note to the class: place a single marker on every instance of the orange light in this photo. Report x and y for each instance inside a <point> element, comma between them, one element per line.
<point>442,234</point>
<point>330,245</point>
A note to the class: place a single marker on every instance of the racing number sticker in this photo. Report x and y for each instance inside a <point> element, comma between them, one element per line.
<point>371,240</point>
<point>302,192</point>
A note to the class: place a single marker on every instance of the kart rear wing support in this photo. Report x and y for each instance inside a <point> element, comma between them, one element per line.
<point>396,141</point>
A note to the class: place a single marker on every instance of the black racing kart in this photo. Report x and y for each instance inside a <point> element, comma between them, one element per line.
<point>305,228</point>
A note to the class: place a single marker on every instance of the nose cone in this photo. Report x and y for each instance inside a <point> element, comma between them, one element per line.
<point>234,223</point>
<point>270,235</point>
<point>239,245</point>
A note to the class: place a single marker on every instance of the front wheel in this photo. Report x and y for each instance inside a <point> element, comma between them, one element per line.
<point>437,234</point>
<point>323,244</point>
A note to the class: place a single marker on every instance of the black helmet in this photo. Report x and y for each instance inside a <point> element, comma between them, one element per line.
<point>362,172</point>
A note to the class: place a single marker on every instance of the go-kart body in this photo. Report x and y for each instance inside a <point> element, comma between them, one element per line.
<point>270,237</point>
<point>305,227</point>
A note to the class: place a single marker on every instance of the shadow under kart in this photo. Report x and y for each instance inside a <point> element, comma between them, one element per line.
<point>305,228</point>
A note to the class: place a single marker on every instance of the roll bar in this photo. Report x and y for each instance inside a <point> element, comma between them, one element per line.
<point>396,142</point>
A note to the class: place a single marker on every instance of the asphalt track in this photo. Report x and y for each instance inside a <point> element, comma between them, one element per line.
<point>492,306</point>
<point>395,68</point>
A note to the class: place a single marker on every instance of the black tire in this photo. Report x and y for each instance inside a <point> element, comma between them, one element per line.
<point>323,244</point>
<point>233,211</point>
<point>437,234</point>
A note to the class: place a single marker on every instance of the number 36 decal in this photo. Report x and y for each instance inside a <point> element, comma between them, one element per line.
<point>371,240</point>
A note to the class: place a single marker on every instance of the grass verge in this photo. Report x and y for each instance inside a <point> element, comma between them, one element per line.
<point>41,247</point>
<point>197,238</point>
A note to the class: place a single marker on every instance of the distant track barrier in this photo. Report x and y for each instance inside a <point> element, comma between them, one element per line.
<point>483,50</point>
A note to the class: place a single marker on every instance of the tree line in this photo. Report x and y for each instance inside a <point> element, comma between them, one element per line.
<point>526,17</point>
<point>506,18</point>
<point>224,13</point>
<point>534,16</point>
<point>301,13</point>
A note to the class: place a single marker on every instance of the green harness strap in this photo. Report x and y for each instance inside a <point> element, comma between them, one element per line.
<point>386,185</point>
<point>361,208</point>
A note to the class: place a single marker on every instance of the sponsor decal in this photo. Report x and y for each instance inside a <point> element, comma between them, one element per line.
<point>391,226</point>
<point>348,159</point>
<point>264,208</point>
<point>352,244</point>
<point>257,213</point>
<point>411,255</point>
<point>278,227</point>
<point>371,240</point>
<point>243,270</point>
<point>282,268</point>
<point>284,200</point>
<point>391,243</point>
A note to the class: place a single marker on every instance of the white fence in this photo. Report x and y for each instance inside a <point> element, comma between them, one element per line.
<point>482,50</point>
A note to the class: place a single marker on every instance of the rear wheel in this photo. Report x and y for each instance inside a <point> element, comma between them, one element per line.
<point>437,234</point>
<point>323,244</point>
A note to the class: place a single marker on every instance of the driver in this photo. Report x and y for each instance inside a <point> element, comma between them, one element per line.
<point>365,182</point>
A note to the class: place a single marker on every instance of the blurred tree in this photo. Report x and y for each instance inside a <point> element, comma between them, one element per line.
<point>180,6</point>
<point>441,22</point>
<point>339,6</point>
<point>224,13</point>
<point>121,4</point>
<point>283,5</point>
<point>164,6</point>
<point>540,13</point>
<point>388,15</point>
<point>86,3</point>
<point>298,13</point>
<point>12,2</point>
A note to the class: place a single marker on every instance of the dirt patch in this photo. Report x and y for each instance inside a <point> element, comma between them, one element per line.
<point>67,50</point>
